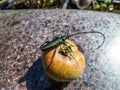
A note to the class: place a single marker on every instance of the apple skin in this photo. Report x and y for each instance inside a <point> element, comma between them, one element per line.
<point>63,68</point>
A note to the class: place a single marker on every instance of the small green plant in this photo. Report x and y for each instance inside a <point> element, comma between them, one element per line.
<point>106,5</point>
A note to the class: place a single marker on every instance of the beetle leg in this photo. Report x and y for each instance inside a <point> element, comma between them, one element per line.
<point>44,43</point>
<point>66,43</point>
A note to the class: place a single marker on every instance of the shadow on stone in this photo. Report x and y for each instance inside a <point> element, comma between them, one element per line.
<point>36,79</point>
<point>80,48</point>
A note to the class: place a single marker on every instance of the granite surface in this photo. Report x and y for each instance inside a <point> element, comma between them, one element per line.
<point>22,32</point>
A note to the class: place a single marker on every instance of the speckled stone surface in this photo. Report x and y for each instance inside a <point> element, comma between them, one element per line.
<point>22,33</point>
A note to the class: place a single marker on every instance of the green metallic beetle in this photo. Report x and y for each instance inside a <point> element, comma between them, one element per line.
<point>62,39</point>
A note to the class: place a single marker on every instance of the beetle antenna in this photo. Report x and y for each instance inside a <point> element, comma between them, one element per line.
<point>91,32</point>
